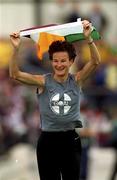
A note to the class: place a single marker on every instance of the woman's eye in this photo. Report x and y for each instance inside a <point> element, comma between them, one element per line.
<point>55,61</point>
<point>63,61</point>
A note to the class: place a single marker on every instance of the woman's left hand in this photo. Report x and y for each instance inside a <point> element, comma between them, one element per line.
<point>86,28</point>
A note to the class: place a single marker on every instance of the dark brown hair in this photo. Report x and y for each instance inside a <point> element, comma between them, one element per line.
<point>58,46</point>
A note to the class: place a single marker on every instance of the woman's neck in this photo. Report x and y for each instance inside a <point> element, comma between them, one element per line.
<point>60,79</point>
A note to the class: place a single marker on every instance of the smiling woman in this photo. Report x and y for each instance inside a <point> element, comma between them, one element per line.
<point>59,146</point>
<point>62,55</point>
<point>60,64</point>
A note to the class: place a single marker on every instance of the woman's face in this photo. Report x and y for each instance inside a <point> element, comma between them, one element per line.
<point>61,63</point>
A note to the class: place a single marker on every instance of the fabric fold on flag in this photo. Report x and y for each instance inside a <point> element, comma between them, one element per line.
<point>45,35</point>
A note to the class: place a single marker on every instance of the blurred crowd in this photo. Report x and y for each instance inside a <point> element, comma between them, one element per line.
<point>19,113</point>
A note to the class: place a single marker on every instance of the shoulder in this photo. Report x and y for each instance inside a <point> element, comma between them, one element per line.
<point>48,79</point>
<point>77,78</point>
<point>74,77</point>
<point>45,78</point>
<point>48,75</point>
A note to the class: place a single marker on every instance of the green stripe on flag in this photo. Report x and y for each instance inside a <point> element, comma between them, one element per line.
<point>80,36</point>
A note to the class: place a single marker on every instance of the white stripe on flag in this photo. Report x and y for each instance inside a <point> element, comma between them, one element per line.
<point>62,30</point>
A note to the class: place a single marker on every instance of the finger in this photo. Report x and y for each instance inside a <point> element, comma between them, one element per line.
<point>87,26</point>
<point>85,21</point>
<point>15,34</point>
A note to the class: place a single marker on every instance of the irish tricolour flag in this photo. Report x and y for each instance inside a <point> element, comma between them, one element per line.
<point>45,35</point>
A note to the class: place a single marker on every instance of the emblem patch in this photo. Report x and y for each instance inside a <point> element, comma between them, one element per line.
<point>60,106</point>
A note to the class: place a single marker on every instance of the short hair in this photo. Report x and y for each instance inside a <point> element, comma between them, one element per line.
<point>58,46</point>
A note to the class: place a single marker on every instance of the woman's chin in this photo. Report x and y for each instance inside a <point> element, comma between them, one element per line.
<point>60,74</point>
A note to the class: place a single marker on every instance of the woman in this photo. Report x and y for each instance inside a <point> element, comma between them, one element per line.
<point>59,147</point>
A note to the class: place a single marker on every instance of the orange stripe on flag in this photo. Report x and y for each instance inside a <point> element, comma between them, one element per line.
<point>44,42</point>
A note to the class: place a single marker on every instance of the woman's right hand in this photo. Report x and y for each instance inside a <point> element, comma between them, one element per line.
<point>15,40</point>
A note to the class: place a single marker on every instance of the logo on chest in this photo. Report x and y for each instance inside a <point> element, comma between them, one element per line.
<point>60,104</point>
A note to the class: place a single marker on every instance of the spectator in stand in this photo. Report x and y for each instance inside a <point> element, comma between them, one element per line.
<point>74,14</point>
<point>86,134</point>
<point>98,18</point>
<point>111,142</point>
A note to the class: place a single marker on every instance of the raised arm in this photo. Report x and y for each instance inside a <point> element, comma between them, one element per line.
<point>15,73</point>
<point>82,75</point>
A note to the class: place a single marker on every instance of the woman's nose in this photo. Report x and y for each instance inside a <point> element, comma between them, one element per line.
<point>59,64</point>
